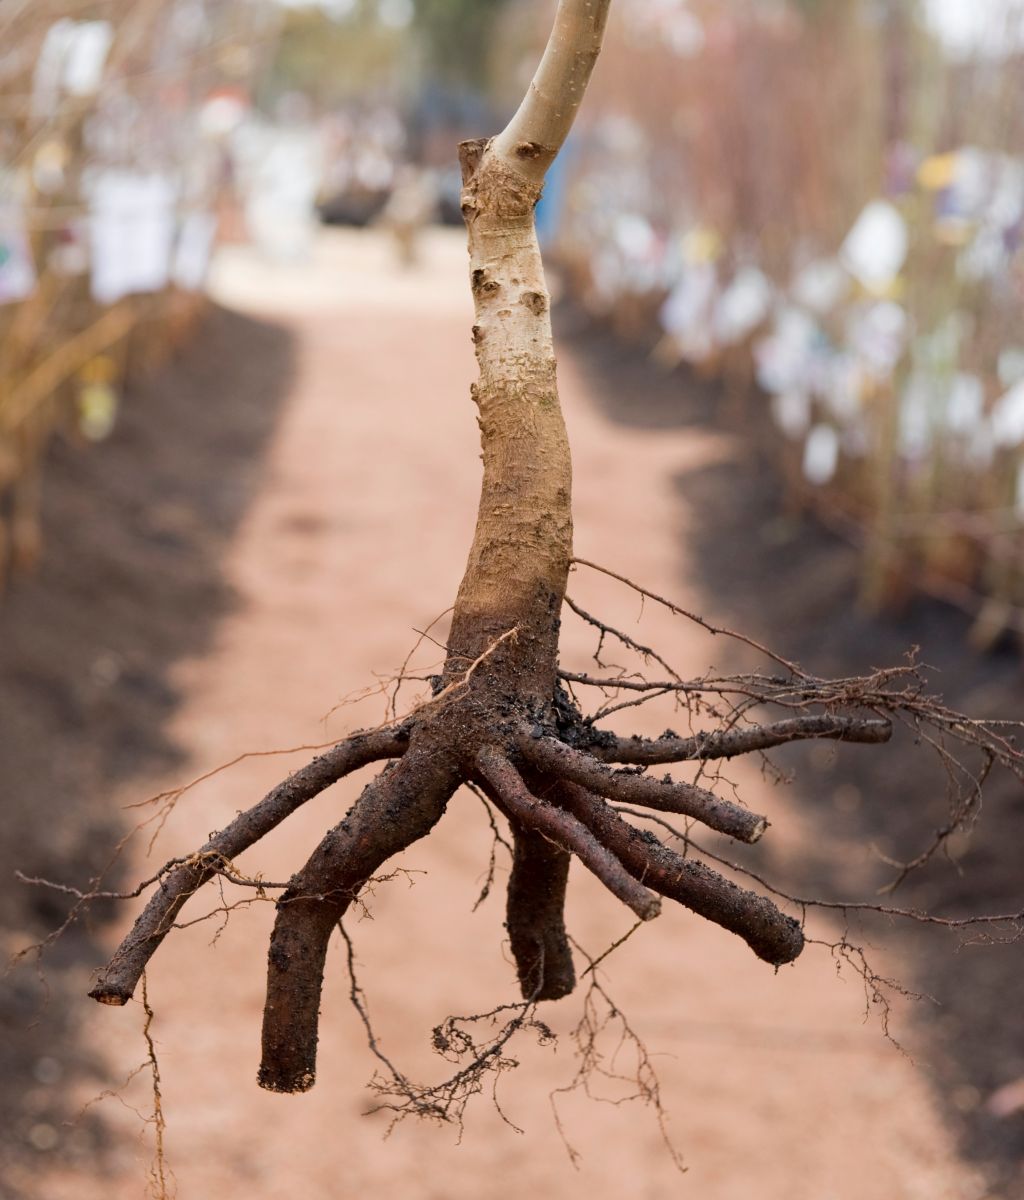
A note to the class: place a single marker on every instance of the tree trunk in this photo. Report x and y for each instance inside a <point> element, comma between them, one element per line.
<point>519,562</point>
<point>499,719</point>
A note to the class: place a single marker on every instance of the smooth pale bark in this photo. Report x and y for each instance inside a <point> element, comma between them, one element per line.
<point>536,133</point>
<point>519,563</point>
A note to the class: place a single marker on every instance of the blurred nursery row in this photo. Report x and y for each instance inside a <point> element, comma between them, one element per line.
<point>821,205</point>
<point>817,203</point>
<point>114,174</point>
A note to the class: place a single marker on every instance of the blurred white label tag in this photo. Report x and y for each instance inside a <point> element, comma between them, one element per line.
<point>876,247</point>
<point>1008,417</point>
<point>966,403</point>
<point>742,306</point>
<point>687,313</point>
<point>86,56</point>
<point>785,359</point>
<point>281,175</point>
<point>821,285</point>
<point>72,58</point>
<point>792,413</point>
<point>1011,365</point>
<point>131,230</point>
<point>842,386</point>
<point>821,454</point>
<point>633,235</point>
<point>878,335</point>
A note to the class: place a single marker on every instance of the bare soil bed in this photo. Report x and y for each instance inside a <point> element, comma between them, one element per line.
<point>130,582</point>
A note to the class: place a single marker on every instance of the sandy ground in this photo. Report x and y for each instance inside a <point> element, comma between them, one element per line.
<point>774,1085</point>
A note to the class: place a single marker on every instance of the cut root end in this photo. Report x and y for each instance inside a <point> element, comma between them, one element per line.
<point>289,1086</point>
<point>114,999</point>
<point>758,830</point>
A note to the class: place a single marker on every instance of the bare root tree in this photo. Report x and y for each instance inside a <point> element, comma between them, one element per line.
<point>503,717</point>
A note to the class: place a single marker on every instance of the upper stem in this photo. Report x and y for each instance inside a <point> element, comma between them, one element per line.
<point>518,565</point>
<point>536,133</point>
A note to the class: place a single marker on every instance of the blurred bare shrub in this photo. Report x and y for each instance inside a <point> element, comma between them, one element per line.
<point>825,198</point>
<point>113,179</point>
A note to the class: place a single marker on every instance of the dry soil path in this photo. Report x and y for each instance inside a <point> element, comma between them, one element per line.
<point>774,1087</point>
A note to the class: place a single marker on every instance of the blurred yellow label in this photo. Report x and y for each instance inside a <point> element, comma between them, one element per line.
<point>937,172</point>
<point>892,289</point>
<point>97,411</point>
<point>701,245</point>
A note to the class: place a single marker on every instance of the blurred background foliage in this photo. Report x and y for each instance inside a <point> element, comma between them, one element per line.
<point>333,62</point>
<point>816,204</point>
<point>820,204</point>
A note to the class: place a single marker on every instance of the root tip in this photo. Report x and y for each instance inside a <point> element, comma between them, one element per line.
<point>106,996</point>
<point>759,830</point>
<point>785,948</point>
<point>287,1085</point>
